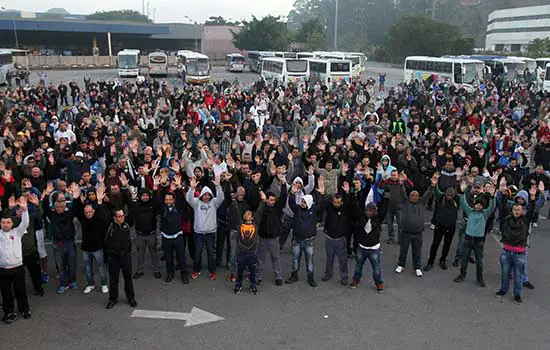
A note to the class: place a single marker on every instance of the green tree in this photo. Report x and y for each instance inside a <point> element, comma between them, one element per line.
<point>313,34</point>
<point>266,34</point>
<point>119,15</point>
<point>539,48</point>
<point>420,35</point>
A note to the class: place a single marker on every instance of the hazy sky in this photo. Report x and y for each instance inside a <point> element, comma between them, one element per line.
<point>166,10</point>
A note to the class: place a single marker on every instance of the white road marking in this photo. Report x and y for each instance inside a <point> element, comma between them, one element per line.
<point>193,318</point>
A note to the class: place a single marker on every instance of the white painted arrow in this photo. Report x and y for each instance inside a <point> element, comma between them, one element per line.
<point>193,318</point>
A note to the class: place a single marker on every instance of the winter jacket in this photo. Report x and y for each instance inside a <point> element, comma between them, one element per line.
<point>94,229</point>
<point>62,224</point>
<point>305,219</point>
<point>271,217</point>
<point>118,240</point>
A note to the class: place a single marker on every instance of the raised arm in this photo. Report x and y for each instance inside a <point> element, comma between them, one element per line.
<point>24,224</point>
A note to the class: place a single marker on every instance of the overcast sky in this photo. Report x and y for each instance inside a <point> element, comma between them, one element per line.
<point>166,10</point>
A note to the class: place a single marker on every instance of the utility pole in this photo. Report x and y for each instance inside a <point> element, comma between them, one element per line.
<point>336,25</point>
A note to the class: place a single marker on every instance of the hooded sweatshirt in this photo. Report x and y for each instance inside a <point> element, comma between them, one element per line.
<point>386,172</point>
<point>305,219</point>
<point>306,190</point>
<point>206,220</point>
<point>11,254</point>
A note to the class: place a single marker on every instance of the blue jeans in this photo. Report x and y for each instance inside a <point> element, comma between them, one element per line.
<point>373,255</point>
<point>306,246</point>
<point>65,259</point>
<point>510,261</point>
<point>88,258</point>
<point>209,240</point>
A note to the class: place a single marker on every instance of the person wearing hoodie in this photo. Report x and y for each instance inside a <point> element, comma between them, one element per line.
<point>269,231</point>
<point>306,215</point>
<point>247,245</point>
<point>412,225</point>
<point>144,213</point>
<point>205,224</point>
<point>288,214</point>
<point>513,257</point>
<point>474,235</point>
<point>12,271</point>
<point>445,216</point>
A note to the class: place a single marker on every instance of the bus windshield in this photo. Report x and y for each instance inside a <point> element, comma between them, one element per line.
<point>471,73</point>
<point>237,59</point>
<point>157,59</point>
<point>6,58</point>
<point>339,67</point>
<point>127,61</point>
<point>354,59</point>
<point>197,66</point>
<point>296,66</point>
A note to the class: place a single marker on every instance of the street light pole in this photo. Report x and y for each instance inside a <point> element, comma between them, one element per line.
<point>336,26</point>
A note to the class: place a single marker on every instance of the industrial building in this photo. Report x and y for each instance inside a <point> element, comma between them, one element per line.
<point>511,30</point>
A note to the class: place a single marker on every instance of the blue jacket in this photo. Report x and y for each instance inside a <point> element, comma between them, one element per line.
<point>305,220</point>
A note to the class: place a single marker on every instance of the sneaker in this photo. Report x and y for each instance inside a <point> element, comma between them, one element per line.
<point>326,278</point>
<point>312,282</point>
<point>528,285</point>
<point>482,283</point>
<point>500,294</point>
<point>195,275</point>
<point>443,265</point>
<point>389,241</point>
<point>460,278</point>
<point>293,278</point>
<point>10,318</point>
<point>535,225</point>
<point>232,278</point>
<point>418,273</point>
<point>279,282</point>
<point>133,303</point>
<point>518,300</point>
<point>212,276</point>
<point>45,278</point>
<point>354,284</point>
<point>104,289</point>
<point>185,277</point>
<point>157,275</point>
<point>432,227</point>
<point>26,314</point>
<point>168,278</point>
<point>428,267</point>
<point>254,290</point>
<point>344,282</point>
<point>61,289</point>
<point>73,285</point>
<point>399,269</point>
<point>237,289</point>
<point>110,304</point>
<point>137,275</point>
<point>379,287</point>
<point>89,289</point>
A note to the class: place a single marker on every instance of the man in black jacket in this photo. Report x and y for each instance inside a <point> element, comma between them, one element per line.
<point>336,227</point>
<point>95,222</point>
<point>118,246</point>
<point>144,212</point>
<point>269,231</point>
<point>63,233</point>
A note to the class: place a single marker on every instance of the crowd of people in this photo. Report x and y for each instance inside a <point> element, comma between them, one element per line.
<point>238,169</point>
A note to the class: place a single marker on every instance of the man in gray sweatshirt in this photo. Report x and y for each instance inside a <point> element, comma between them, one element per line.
<point>205,224</point>
<point>412,225</point>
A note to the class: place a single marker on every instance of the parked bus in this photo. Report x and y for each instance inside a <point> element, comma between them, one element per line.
<point>158,63</point>
<point>6,65</point>
<point>285,71</point>
<point>234,62</point>
<point>255,60</point>
<point>305,55</point>
<point>457,71</point>
<point>541,65</point>
<point>196,66</point>
<point>358,60</point>
<point>128,63</point>
<point>509,67</point>
<point>546,83</point>
<point>329,71</point>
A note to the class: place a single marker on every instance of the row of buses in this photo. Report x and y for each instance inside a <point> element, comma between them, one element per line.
<point>467,70</point>
<point>196,65</point>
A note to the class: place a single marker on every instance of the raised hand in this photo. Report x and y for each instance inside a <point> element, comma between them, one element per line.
<point>12,203</point>
<point>434,181</point>
<point>541,186</point>
<point>156,180</point>
<point>345,187</point>
<point>100,178</point>
<point>310,170</point>
<point>463,186</point>
<point>177,180</point>
<point>100,194</point>
<point>345,168</point>
<point>217,181</point>
<point>193,182</point>
<point>123,180</point>
<point>282,178</point>
<point>49,188</point>
<point>23,203</point>
<point>263,197</point>
<point>33,198</point>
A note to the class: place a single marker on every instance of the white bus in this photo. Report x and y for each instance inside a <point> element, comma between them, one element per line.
<point>357,59</point>
<point>128,63</point>
<point>305,55</point>
<point>158,63</point>
<point>541,65</point>
<point>234,62</point>
<point>285,71</point>
<point>329,71</point>
<point>546,83</point>
<point>6,65</point>
<point>196,66</point>
<point>456,71</point>
<point>255,59</point>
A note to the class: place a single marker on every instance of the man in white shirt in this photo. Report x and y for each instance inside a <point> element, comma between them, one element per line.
<point>63,131</point>
<point>12,271</point>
